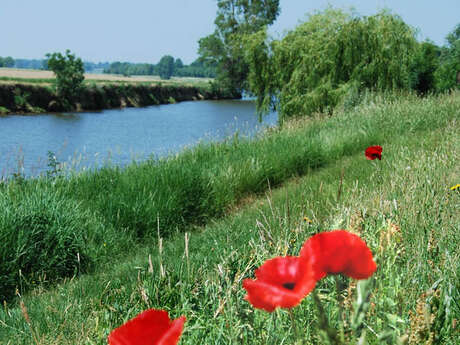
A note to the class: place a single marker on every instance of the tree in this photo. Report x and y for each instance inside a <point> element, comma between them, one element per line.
<point>448,72</point>
<point>8,61</point>
<point>69,73</point>
<point>166,67</point>
<point>224,48</point>
<point>424,66</point>
<point>178,64</point>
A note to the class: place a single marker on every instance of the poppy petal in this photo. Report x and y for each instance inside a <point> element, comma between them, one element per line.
<point>339,251</point>
<point>280,282</point>
<point>268,297</point>
<point>151,327</point>
<point>373,152</point>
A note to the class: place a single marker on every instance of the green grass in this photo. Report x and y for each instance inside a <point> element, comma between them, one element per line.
<point>407,190</point>
<point>3,110</point>
<point>29,80</point>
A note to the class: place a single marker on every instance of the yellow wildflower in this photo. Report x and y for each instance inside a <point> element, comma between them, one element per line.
<point>455,187</point>
<point>307,220</point>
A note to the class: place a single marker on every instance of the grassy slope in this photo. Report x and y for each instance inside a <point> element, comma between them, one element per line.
<point>407,190</point>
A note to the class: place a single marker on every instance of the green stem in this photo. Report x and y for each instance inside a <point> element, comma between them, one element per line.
<point>338,288</point>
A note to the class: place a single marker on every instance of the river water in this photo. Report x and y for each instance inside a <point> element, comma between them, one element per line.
<point>121,136</point>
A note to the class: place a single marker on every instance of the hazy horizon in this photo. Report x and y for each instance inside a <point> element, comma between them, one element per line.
<point>144,31</point>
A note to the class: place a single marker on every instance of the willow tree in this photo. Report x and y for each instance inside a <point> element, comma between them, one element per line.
<point>331,55</point>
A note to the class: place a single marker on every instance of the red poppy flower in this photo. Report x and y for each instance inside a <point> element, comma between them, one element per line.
<point>151,327</point>
<point>339,251</point>
<point>280,282</point>
<point>373,152</point>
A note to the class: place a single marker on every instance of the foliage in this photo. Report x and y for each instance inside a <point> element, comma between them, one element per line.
<point>424,65</point>
<point>166,67</point>
<point>6,61</point>
<point>54,166</point>
<point>69,73</point>
<point>224,48</point>
<point>318,63</point>
<point>178,64</point>
<point>4,110</point>
<point>448,74</point>
<point>195,69</point>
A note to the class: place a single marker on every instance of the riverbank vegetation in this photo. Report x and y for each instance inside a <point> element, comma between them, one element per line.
<point>118,233</point>
<point>18,95</point>
<point>335,56</point>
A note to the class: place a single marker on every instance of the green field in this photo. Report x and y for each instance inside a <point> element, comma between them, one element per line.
<point>182,233</point>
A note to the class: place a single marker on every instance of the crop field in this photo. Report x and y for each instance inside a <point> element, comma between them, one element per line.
<point>38,76</point>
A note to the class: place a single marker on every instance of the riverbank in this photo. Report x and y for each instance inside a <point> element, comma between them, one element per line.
<point>29,98</point>
<point>120,232</point>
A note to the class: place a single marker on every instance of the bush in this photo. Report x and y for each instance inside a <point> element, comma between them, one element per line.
<point>43,237</point>
<point>69,76</point>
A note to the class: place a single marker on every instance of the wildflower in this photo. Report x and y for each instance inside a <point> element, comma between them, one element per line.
<point>455,187</point>
<point>373,152</point>
<point>307,220</point>
<point>280,282</point>
<point>151,327</point>
<point>339,251</point>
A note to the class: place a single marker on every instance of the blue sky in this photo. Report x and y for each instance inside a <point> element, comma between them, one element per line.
<point>145,30</point>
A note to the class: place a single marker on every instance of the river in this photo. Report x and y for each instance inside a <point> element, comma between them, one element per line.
<point>121,136</point>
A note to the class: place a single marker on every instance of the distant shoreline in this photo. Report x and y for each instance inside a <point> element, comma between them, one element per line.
<point>32,92</point>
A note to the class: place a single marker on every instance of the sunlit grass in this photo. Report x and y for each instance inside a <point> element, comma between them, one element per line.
<point>402,206</point>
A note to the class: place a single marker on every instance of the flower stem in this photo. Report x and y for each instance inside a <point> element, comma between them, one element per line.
<point>339,191</point>
<point>338,287</point>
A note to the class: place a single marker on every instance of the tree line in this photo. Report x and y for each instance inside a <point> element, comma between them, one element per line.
<point>43,64</point>
<point>166,68</point>
<point>7,61</point>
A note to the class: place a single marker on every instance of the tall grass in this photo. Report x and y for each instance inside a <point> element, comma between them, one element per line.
<point>161,197</point>
<point>44,236</point>
<point>402,206</point>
